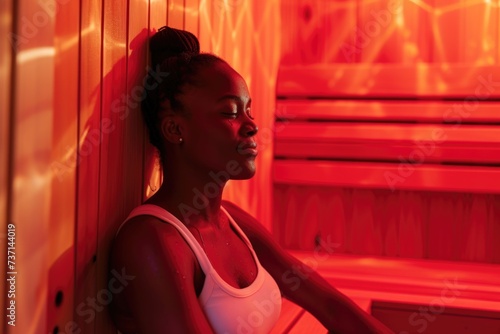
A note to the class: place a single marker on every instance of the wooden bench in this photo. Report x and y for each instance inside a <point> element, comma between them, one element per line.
<point>383,287</point>
<point>363,118</point>
<point>351,127</point>
<point>422,137</point>
<point>358,144</point>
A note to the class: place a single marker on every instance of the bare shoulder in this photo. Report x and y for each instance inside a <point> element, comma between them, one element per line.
<point>160,293</point>
<point>146,236</point>
<point>144,228</point>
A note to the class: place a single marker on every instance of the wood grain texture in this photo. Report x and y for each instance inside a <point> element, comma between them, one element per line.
<point>289,315</point>
<point>6,51</point>
<point>381,111</point>
<point>387,31</point>
<point>346,67</point>
<point>192,16</point>
<point>113,206</point>
<point>175,14</point>
<point>44,135</point>
<point>308,324</point>
<point>453,226</point>
<point>83,71</point>
<point>90,136</point>
<point>65,131</point>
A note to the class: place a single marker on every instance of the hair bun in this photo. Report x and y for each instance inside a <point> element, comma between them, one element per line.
<point>169,42</point>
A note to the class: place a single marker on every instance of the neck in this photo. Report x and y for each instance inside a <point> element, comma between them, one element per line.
<point>193,197</point>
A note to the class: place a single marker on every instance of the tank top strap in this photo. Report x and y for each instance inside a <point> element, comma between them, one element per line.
<point>239,230</point>
<point>166,216</point>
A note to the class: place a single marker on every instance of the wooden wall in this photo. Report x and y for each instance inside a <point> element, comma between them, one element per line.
<point>353,74</point>
<point>5,80</point>
<point>390,31</point>
<point>80,155</point>
<point>401,224</point>
<point>43,128</point>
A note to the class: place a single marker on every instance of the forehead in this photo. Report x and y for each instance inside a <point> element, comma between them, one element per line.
<point>221,79</point>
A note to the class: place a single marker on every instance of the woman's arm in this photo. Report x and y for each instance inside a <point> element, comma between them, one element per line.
<point>160,292</point>
<point>302,285</point>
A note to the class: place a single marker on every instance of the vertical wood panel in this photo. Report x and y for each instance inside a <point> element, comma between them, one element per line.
<point>333,219</point>
<point>60,129</point>
<point>411,224</point>
<point>157,14</point>
<point>32,181</point>
<point>288,37</point>
<point>217,25</point>
<point>63,197</point>
<point>5,109</point>
<point>191,16</point>
<point>386,31</point>
<point>419,23</point>
<point>320,32</point>
<point>379,32</point>
<point>390,217</point>
<point>495,222</point>
<point>205,30</point>
<point>112,190</point>
<point>90,137</point>
<point>136,138</point>
<point>175,14</point>
<point>44,179</point>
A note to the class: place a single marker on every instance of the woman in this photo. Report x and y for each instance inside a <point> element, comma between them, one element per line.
<point>201,264</point>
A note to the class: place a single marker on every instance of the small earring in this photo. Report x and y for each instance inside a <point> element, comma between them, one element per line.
<point>180,140</point>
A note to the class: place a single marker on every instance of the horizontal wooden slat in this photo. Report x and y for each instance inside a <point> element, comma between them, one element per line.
<point>389,81</point>
<point>376,283</point>
<point>389,111</point>
<point>436,318</point>
<point>308,324</point>
<point>399,279</point>
<point>468,179</point>
<point>477,144</point>
<point>289,315</point>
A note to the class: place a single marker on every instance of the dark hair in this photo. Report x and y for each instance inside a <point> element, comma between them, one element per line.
<point>176,52</point>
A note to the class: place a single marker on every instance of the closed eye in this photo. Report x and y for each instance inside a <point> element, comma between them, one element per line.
<point>230,114</point>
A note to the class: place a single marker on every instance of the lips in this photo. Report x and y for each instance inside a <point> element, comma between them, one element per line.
<point>248,148</point>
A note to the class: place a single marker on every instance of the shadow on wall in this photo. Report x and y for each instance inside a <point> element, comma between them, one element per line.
<point>115,161</point>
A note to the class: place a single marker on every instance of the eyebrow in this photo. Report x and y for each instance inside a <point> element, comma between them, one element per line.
<point>234,98</point>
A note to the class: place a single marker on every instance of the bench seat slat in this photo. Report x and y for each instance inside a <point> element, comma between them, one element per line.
<point>389,111</point>
<point>467,144</point>
<point>468,179</point>
<point>290,314</point>
<point>377,80</point>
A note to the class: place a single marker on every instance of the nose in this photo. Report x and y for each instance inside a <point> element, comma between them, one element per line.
<point>249,129</point>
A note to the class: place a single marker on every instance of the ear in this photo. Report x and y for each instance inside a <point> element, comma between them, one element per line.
<point>170,128</point>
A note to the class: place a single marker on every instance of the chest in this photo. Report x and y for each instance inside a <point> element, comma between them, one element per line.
<point>230,257</point>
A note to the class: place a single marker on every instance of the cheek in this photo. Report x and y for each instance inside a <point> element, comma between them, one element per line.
<point>214,141</point>
<point>220,132</point>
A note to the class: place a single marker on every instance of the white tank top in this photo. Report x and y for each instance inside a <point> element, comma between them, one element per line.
<point>251,310</point>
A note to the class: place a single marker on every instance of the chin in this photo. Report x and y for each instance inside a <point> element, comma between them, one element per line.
<point>247,170</point>
<point>245,176</point>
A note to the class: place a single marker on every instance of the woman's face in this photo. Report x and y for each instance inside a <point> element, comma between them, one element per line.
<point>219,131</point>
